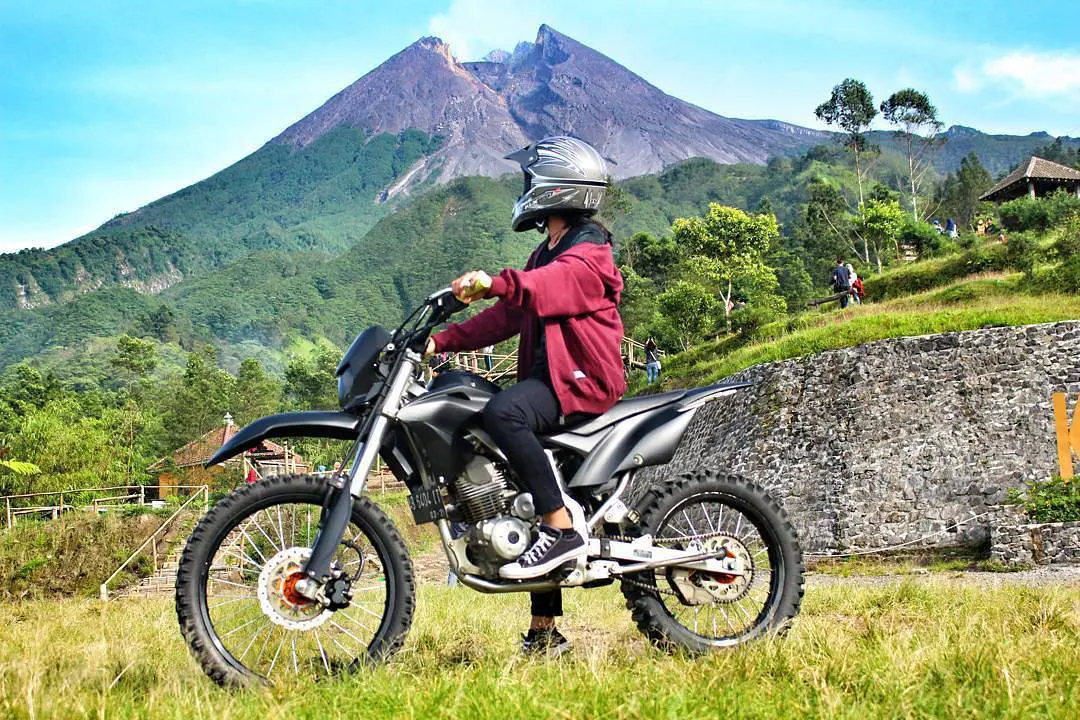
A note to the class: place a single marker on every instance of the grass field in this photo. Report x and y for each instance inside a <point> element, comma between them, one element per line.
<point>924,647</point>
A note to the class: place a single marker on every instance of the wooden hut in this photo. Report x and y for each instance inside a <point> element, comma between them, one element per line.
<point>185,465</point>
<point>1034,178</point>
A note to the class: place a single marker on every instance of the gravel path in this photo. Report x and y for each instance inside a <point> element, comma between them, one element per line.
<point>1038,577</point>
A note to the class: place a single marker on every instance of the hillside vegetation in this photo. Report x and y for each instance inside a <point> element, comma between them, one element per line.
<point>321,197</point>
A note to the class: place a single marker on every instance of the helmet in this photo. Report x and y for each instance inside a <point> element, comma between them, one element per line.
<point>562,174</point>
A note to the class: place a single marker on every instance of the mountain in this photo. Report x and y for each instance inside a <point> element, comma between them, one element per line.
<point>552,86</point>
<point>998,153</point>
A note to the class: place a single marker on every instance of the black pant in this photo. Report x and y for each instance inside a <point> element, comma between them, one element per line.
<point>512,418</point>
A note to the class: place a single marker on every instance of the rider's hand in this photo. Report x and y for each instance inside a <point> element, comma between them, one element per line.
<point>429,349</point>
<point>471,286</point>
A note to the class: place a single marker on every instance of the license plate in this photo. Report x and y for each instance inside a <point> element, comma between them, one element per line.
<point>427,506</point>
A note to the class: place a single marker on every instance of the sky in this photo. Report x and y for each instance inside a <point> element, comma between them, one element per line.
<point>108,105</point>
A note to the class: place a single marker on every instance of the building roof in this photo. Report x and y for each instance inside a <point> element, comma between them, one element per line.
<point>198,451</point>
<point>1036,168</point>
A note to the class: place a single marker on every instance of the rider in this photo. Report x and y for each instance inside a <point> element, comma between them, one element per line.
<point>564,305</point>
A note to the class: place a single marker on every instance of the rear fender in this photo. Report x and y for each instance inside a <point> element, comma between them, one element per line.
<point>319,423</point>
<point>650,438</point>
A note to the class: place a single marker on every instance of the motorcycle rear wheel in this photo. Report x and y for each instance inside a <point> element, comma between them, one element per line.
<point>235,588</point>
<point>700,612</point>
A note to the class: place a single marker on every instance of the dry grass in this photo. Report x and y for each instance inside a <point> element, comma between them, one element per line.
<point>922,648</point>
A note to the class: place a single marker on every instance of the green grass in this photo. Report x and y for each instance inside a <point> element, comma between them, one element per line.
<point>921,648</point>
<point>977,302</point>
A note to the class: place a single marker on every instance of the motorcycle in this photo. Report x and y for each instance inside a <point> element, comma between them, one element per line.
<point>306,576</point>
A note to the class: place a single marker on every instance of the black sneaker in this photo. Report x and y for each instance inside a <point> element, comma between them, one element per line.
<point>548,642</point>
<point>552,548</point>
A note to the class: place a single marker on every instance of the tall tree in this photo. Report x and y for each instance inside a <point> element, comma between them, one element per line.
<point>136,359</point>
<point>255,393</point>
<point>310,384</point>
<point>917,126</point>
<point>728,246</point>
<point>880,222</point>
<point>961,190</point>
<point>850,107</point>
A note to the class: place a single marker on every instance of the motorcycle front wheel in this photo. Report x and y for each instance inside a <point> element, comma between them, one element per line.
<point>236,599</point>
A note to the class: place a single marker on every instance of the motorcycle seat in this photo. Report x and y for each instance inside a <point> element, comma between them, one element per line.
<point>622,410</point>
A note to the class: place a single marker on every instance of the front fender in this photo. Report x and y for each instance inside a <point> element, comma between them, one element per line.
<point>318,423</point>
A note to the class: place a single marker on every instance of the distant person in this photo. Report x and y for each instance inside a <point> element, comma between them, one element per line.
<point>950,228</point>
<point>652,361</point>
<point>857,291</point>
<point>937,226</point>
<point>854,279</point>
<point>488,351</point>
<point>841,282</point>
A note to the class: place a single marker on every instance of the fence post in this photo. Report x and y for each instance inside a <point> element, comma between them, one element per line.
<point>7,512</point>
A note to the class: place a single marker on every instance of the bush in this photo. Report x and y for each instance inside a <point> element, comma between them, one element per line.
<point>1066,276</point>
<point>1040,213</point>
<point>1055,500</point>
<point>1025,214</point>
<point>1022,253</point>
<point>926,240</point>
<point>758,312</point>
<point>1068,245</point>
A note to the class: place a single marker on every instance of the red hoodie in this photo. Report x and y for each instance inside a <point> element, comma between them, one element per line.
<point>576,296</point>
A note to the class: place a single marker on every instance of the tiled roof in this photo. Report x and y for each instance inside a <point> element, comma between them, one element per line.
<point>198,451</point>
<point>1036,168</point>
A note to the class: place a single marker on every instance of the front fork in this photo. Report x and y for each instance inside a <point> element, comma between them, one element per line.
<point>336,516</point>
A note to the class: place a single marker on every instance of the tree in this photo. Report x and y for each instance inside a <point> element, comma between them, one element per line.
<point>649,256</point>
<point>961,190</point>
<point>310,383</point>
<point>690,312</point>
<point>911,112</point>
<point>880,222</point>
<point>135,356</point>
<point>137,359</point>
<point>197,400</point>
<point>850,107</point>
<point>728,246</point>
<point>255,393</point>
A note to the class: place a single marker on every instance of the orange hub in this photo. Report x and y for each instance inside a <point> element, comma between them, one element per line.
<point>290,593</point>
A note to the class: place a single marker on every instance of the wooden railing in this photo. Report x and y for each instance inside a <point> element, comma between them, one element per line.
<point>203,492</point>
<point>55,503</point>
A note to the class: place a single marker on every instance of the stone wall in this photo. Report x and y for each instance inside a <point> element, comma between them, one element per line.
<point>1015,541</point>
<point>891,441</point>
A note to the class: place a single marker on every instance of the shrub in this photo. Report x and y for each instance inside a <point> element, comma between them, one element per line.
<point>1066,277</point>
<point>1068,244</point>
<point>1039,213</point>
<point>758,312</point>
<point>926,240</point>
<point>1023,253</point>
<point>1054,500</point>
<point>1025,214</point>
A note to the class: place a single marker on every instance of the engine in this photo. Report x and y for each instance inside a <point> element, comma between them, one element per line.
<point>500,518</point>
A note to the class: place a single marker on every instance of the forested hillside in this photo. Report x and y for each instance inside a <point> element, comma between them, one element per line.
<point>322,197</point>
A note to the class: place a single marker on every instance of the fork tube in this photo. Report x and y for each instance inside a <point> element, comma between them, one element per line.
<point>334,523</point>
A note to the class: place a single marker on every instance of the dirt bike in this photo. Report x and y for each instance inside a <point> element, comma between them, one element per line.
<point>306,576</point>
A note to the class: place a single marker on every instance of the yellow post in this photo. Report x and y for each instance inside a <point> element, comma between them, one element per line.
<point>1068,437</point>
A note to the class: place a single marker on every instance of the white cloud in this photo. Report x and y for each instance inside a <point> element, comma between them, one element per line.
<point>474,27</point>
<point>1024,72</point>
